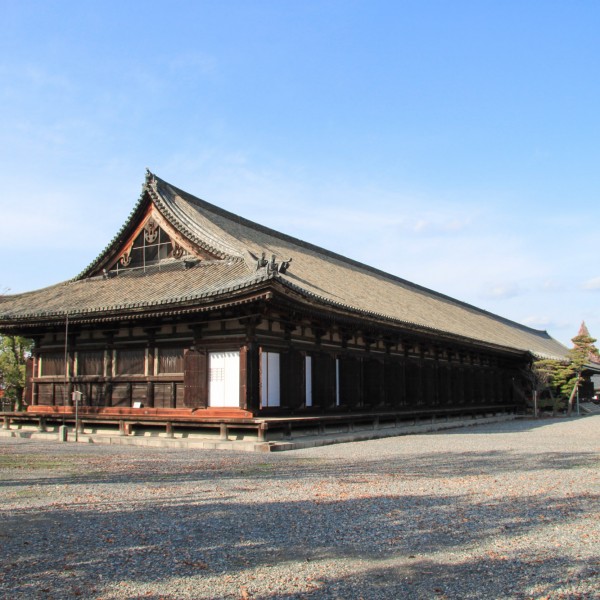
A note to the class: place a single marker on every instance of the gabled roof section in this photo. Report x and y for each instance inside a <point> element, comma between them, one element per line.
<point>157,202</point>
<point>245,249</point>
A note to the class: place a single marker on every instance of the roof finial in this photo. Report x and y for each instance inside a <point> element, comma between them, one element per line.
<point>583,330</point>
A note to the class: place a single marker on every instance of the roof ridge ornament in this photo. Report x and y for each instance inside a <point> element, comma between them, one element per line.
<point>273,266</point>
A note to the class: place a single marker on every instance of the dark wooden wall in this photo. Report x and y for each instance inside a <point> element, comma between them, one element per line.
<point>166,367</point>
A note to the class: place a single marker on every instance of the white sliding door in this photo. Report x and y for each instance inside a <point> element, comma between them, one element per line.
<point>269,375</point>
<point>224,379</point>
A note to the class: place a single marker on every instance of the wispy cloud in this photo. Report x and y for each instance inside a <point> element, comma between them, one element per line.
<point>592,284</point>
<point>502,290</point>
<point>538,321</point>
<point>21,78</point>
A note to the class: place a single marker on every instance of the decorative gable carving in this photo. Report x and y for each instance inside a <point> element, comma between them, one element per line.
<point>151,230</point>
<point>153,242</point>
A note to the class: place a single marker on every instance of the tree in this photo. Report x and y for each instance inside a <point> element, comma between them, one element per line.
<point>545,373</point>
<point>14,352</point>
<point>583,352</point>
<point>563,378</point>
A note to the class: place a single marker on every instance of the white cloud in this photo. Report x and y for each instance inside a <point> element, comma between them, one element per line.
<point>502,290</point>
<point>539,321</point>
<point>592,284</point>
<point>550,285</point>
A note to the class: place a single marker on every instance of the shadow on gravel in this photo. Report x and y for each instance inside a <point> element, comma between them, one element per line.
<point>486,578</point>
<point>68,553</point>
<point>516,426</point>
<point>102,469</point>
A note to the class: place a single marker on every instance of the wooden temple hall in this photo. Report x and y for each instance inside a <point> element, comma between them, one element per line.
<point>196,319</point>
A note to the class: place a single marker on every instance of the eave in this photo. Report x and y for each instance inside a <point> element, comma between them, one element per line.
<point>338,313</point>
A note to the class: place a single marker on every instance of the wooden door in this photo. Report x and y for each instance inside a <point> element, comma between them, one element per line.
<point>194,379</point>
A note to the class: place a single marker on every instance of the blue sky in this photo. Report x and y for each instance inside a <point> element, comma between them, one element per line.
<point>455,144</point>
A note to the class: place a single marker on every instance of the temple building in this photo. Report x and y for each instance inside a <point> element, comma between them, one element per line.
<point>194,316</point>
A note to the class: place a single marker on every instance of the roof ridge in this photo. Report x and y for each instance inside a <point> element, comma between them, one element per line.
<point>185,224</point>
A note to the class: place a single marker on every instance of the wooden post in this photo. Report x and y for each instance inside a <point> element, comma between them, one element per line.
<point>150,394</point>
<point>223,432</point>
<point>249,378</point>
<point>261,432</point>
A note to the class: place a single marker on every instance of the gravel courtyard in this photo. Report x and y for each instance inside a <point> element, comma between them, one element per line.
<point>508,510</point>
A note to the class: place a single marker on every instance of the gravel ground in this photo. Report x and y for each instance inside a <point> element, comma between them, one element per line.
<point>507,510</point>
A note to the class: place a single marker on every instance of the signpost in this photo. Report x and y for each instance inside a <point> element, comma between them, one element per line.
<point>77,399</point>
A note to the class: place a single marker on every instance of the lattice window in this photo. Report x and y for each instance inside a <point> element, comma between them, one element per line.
<point>151,247</point>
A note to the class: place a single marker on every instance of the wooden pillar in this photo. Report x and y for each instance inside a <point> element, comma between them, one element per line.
<point>250,377</point>
<point>150,363</point>
<point>35,390</point>
<point>250,366</point>
<point>420,377</point>
<point>403,399</point>
<point>108,367</point>
<point>461,379</point>
<point>448,380</point>
<point>150,394</point>
<point>437,393</point>
<point>70,367</point>
<point>29,374</point>
<point>361,381</point>
<point>173,396</point>
<point>467,379</point>
<point>150,350</point>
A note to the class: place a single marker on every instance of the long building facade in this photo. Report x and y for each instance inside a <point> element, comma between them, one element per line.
<point>193,314</point>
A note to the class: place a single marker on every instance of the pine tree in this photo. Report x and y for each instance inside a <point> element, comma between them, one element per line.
<point>563,378</point>
<point>583,352</point>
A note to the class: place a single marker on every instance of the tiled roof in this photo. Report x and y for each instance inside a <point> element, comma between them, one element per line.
<point>321,275</point>
<point>169,286</point>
